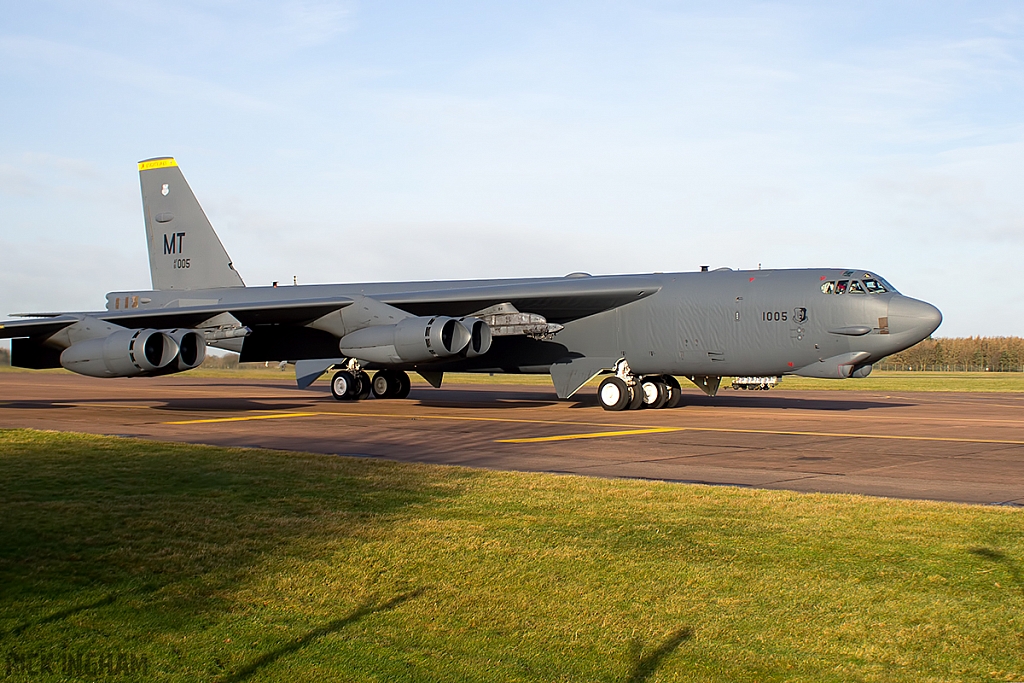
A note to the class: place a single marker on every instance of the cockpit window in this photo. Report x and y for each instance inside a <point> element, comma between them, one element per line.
<point>828,287</point>
<point>874,286</point>
<point>856,287</point>
<point>841,286</point>
<point>888,286</point>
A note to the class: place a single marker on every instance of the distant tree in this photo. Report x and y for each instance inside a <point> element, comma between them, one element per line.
<point>228,361</point>
<point>5,357</point>
<point>973,354</point>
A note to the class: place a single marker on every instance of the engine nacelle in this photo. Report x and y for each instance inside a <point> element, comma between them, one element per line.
<point>127,353</point>
<point>191,350</point>
<point>413,340</point>
<point>479,337</point>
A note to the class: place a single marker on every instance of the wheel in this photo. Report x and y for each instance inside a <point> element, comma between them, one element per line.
<point>636,397</point>
<point>404,385</point>
<point>654,391</point>
<point>385,384</point>
<point>344,386</point>
<point>364,386</point>
<point>675,394</point>
<point>613,394</point>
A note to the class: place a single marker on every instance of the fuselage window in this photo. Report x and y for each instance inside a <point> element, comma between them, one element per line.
<point>874,287</point>
<point>841,286</point>
<point>856,287</point>
<point>828,287</point>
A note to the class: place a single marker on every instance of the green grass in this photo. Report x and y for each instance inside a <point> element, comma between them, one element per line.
<point>236,564</point>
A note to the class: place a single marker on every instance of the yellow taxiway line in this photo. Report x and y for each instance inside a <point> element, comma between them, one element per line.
<point>591,435</point>
<point>242,418</point>
<point>633,429</point>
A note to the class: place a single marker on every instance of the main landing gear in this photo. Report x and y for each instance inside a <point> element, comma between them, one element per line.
<point>625,391</point>
<point>348,385</point>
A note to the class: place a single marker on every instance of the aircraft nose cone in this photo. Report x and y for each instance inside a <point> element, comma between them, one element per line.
<point>912,317</point>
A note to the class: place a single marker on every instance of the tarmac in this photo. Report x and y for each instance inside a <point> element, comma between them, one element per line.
<point>963,447</point>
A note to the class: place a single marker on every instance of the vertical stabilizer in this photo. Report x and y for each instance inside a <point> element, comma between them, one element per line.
<point>184,251</point>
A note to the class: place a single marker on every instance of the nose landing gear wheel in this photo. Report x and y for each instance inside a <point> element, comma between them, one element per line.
<point>345,386</point>
<point>613,394</point>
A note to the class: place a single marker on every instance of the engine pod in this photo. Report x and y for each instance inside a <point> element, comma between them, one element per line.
<point>479,337</point>
<point>416,339</point>
<point>191,349</point>
<point>128,353</point>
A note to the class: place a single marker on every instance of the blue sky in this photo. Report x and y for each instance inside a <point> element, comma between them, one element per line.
<point>343,142</point>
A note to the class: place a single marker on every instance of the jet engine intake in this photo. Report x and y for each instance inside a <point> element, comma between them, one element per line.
<point>479,337</point>
<point>127,353</point>
<point>191,349</point>
<point>416,339</point>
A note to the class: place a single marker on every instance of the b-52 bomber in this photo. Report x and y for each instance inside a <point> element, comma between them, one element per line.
<point>642,330</point>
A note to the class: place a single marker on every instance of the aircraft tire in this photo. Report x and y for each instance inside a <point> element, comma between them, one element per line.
<point>404,385</point>
<point>636,397</point>
<point>385,384</point>
<point>675,393</point>
<point>344,386</point>
<point>655,392</point>
<point>364,386</point>
<point>613,394</point>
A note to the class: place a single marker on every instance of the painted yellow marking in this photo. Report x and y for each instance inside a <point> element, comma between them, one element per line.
<point>156,163</point>
<point>591,435</point>
<point>242,418</point>
<point>632,429</point>
<point>840,435</point>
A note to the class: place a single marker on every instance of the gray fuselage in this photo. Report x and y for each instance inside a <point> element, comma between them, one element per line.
<point>722,322</point>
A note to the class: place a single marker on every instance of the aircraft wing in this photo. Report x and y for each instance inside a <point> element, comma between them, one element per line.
<point>43,326</point>
<point>297,312</point>
<point>559,301</point>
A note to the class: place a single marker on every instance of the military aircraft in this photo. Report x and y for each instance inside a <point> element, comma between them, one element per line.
<point>641,330</point>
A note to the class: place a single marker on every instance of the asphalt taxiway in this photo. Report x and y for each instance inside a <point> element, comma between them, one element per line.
<point>962,447</point>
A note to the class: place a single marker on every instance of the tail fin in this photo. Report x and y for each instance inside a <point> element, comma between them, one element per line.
<point>184,251</point>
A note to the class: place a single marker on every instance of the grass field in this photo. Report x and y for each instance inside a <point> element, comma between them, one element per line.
<point>255,565</point>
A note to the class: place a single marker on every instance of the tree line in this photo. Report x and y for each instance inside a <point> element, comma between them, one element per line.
<point>971,354</point>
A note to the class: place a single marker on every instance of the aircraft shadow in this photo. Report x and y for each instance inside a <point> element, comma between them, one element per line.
<point>777,402</point>
<point>490,399</point>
